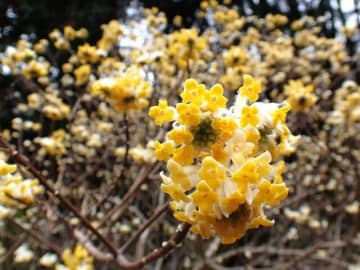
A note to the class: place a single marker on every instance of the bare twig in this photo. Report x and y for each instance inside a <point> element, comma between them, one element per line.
<point>119,209</point>
<point>36,236</point>
<point>21,159</point>
<point>146,225</point>
<point>157,253</point>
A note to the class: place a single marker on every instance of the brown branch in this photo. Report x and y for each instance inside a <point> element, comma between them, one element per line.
<point>12,249</point>
<point>158,212</point>
<point>35,235</point>
<point>21,159</point>
<point>180,234</point>
<point>93,250</point>
<point>115,182</point>
<point>119,209</point>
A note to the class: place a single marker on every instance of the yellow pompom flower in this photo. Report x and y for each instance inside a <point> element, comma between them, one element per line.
<point>220,160</point>
<point>14,190</point>
<point>88,54</point>
<point>129,92</point>
<point>185,46</point>
<point>7,168</point>
<point>300,97</point>
<point>162,113</point>
<point>251,88</point>
<point>235,57</point>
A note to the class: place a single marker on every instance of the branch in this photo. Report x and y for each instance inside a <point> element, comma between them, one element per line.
<point>180,234</point>
<point>36,236</point>
<point>146,225</point>
<point>21,159</point>
<point>119,209</point>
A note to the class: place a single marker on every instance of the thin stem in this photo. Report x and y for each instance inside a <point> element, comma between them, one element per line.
<point>119,209</point>
<point>180,234</point>
<point>21,159</point>
<point>115,182</point>
<point>35,235</point>
<point>12,249</point>
<point>127,144</point>
<point>158,212</point>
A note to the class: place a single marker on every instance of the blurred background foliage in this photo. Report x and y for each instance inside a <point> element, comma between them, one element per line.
<point>41,16</point>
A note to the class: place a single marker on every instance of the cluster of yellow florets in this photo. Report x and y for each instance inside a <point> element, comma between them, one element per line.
<point>14,190</point>
<point>49,103</point>
<point>224,163</point>
<point>126,92</point>
<point>300,97</point>
<point>347,104</point>
<point>185,46</point>
<point>77,259</point>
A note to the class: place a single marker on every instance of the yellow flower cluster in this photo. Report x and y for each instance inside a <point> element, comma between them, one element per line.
<point>88,54</point>
<point>62,40</point>
<point>35,69</point>
<point>224,163</point>
<point>300,97</point>
<point>111,33</point>
<point>53,145</point>
<point>82,74</point>
<point>126,92</point>
<point>14,190</point>
<point>185,46</point>
<point>347,104</point>
<point>77,259</point>
<point>50,104</point>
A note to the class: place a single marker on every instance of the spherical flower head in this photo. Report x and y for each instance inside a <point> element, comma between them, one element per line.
<point>88,54</point>
<point>251,88</point>
<point>128,92</point>
<point>162,113</point>
<point>300,97</point>
<point>221,161</point>
<point>234,57</point>
<point>185,46</point>
<point>16,191</point>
